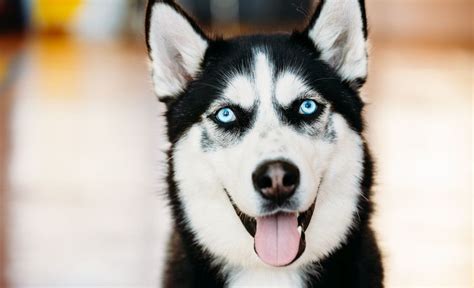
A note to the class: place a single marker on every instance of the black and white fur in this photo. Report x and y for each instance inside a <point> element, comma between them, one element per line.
<point>261,77</point>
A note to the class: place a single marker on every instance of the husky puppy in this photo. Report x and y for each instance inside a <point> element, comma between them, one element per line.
<point>269,175</point>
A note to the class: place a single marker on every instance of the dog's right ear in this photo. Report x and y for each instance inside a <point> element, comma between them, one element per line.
<point>176,47</point>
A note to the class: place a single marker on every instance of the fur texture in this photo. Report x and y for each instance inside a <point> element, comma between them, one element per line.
<point>264,80</point>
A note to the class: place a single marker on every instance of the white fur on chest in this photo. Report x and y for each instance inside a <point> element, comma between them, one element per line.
<point>265,278</point>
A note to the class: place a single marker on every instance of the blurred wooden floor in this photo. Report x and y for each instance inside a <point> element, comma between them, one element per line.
<point>82,171</point>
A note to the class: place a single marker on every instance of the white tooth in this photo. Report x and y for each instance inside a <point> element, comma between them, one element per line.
<point>300,229</point>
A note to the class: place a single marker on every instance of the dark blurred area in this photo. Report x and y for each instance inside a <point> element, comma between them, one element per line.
<point>15,15</point>
<point>418,21</point>
<point>78,151</point>
<point>12,16</point>
<point>248,12</point>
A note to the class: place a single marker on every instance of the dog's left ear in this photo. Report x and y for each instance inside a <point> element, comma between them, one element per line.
<point>176,46</point>
<point>338,28</point>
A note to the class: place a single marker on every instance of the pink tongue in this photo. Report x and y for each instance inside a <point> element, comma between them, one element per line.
<point>277,239</point>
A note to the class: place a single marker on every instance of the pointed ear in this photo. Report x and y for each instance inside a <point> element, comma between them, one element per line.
<point>338,28</point>
<point>176,46</point>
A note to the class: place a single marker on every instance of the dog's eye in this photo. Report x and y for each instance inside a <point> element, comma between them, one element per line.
<point>308,107</point>
<point>225,115</point>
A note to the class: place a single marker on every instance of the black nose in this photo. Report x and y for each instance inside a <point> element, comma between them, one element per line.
<point>276,180</point>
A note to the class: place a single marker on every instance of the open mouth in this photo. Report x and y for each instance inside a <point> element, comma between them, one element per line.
<point>279,238</point>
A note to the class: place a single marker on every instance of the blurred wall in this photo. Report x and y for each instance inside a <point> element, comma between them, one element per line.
<point>422,21</point>
<point>413,21</point>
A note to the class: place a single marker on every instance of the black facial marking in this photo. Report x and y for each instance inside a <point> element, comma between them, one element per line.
<point>207,143</point>
<point>292,116</point>
<point>222,60</point>
<point>226,134</point>
<point>300,55</point>
<point>240,125</point>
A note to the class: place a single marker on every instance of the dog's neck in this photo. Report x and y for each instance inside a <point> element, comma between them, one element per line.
<point>266,277</point>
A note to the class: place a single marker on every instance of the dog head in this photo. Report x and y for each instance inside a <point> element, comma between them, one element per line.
<point>265,131</point>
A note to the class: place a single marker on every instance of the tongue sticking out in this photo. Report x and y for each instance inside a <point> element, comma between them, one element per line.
<point>277,239</point>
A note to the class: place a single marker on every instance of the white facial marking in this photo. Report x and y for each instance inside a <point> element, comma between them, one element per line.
<point>240,91</point>
<point>176,50</point>
<point>208,210</point>
<point>263,78</point>
<point>289,85</point>
<point>338,194</point>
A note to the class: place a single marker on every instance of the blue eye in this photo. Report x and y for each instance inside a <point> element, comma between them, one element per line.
<point>308,107</point>
<point>225,115</point>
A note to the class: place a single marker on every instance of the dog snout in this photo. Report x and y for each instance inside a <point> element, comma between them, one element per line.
<point>276,180</point>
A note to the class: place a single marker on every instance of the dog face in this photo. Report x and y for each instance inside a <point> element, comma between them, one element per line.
<point>267,152</point>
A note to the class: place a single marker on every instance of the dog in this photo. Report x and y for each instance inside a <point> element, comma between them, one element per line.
<point>269,175</point>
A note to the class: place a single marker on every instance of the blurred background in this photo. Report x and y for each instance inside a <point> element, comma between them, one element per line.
<point>80,137</point>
